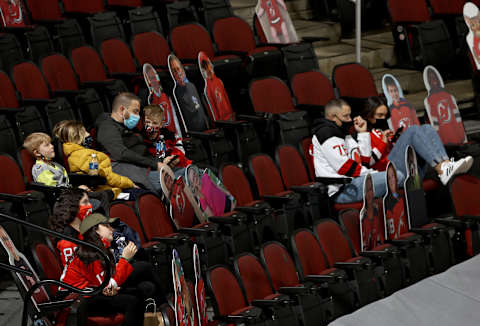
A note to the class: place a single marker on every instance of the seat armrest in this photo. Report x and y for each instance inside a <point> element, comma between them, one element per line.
<point>276,199</point>
<point>279,300</point>
<point>203,135</point>
<point>66,93</point>
<point>37,101</point>
<point>228,124</point>
<point>87,180</point>
<point>257,118</point>
<point>330,279</point>
<point>203,230</point>
<point>235,218</point>
<point>378,254</point>
<point>231,52</point>
<point>454,222</point>
<point>474,218</point>
<point>173,240</point>
<point>124,75</point>
<point>95,84</point>
<point>294,290</point>
<point>311,39</point>
<point>328,181</point>
<point>307,188</point>
<point>309,107</point>
<point>252,313</point>
<point>16,198</point>
<point>361,263</point>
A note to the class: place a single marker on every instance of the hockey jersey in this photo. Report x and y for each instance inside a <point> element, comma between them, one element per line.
<point>403,114</point>
<point>380,150</point>
<point>218,99</point>
<point>395,217</point>
<point>336,155</point>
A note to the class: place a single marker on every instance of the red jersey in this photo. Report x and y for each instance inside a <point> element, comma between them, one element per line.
<point>395,217</point>
<point>218,99</point>
<point>403,114</point>
<point>445,117</point>
<point>173,147</point>
<point>274,16</point>
<point>12,14</point>
<point>371,230</point>
<point>77,274</point>
<point>170,118</point>
<point>476,47</point>
<point>380,150</point>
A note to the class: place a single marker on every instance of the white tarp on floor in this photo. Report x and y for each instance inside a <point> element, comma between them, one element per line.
<point>446,299</point>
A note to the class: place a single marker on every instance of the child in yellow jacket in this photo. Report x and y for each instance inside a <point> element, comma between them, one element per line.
<point>76,141</point>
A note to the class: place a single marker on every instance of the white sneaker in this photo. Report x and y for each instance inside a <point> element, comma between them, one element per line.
<point>451,168</point>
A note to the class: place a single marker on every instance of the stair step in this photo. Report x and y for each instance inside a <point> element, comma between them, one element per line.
<point>329,30</point>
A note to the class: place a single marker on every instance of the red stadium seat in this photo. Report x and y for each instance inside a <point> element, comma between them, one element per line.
<point>312,88</point>
<point>83,7</point>
<point>152,48</point>
<point>45,11</point>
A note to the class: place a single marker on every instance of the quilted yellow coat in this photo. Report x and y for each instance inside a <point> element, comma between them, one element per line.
<point>78,159</point>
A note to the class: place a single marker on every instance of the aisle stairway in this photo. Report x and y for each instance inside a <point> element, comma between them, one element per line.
<point>377,52</point>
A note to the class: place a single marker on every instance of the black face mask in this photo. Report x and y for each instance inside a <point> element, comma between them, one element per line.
<point>88,141</point>
<point>346,126</point>
<point>381,124</point>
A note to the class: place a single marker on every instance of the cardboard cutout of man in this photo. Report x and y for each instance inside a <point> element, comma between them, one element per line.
<point>275,21</point>
<point>199,289</point>
<point>214,91</point>
<point>442,109</point>
<point>396,221</point>
<point>186,97</point>
<point>402,113</point>
<point>12,13</point>
<point>184,312</point>
<point>370,226</point>
<point>471,15</point>
<point>158,96</point>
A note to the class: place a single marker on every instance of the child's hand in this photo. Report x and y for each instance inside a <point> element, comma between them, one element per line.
<point>135,186</point>
<point>84,187</point>
<point>171,160</point>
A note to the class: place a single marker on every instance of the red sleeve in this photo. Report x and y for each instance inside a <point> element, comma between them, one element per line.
<point>122,270</point>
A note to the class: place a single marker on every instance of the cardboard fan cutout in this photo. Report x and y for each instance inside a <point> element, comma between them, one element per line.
<point>24,282</point>
<point>414,194</point>
<point>184,310</point>
<point>12,12</point>
<point>183,206</point>
<point>199,289</point>
<point>471,14</point>
<point>158,96</point>
<point>442,109</point>
<point>402,113</point>
<point>396,219</point>
<point>214,91</point>
<point>209,191</point>
<point>275,21</point>
<point>186,97</point>
<point>370,225</point>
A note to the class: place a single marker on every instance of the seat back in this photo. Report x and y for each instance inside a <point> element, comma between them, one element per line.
<point>48,264</point>
<point>306,150</point>
<point>461,189</point>
<point>11,175</point>
<point>152,48</point>
<point>299,58</point>
<point>27,161</point>
<point>312,87</point>
<point>11,51</point>
<point>153,216</point>
<point>226,290</point>
<point>87,64</point>
<point>125,3</point>
<point>233,34</point>
<point>127,215</point>
<point>291,166</point>
<point>447,7</point>
<point>84,7</point>
<point>8,96</point>
<point>189,39</point>
<point>105,25</point>
<point>308,253</point>
<point>215,9</point>
<point>8,142</point>
<point>271,95</point>
<point>258,30</point>
<point>180,12</point>
<point>279,264</point>
<point>69,36</point>
<point>29,120</point>
<point>59,73</point>
<point>39,43</point>
<point>29,81</point>
<point>254,277</point>
<point>350,221</point>
<point>354,80</point>
<point>237,183</point>
<point>333,241</point>
<point>144,20</point>
<point>412,11</point>
<point>44,10</point>
<point>117,56</point>
<point>266,174</point>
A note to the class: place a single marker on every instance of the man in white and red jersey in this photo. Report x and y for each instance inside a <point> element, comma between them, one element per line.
<point>337,154</point>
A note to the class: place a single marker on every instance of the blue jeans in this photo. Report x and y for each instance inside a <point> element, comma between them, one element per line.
<point>426,143</point>
<point>353,192</point>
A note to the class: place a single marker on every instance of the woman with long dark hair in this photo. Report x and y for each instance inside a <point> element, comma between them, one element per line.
<point>424,140</point>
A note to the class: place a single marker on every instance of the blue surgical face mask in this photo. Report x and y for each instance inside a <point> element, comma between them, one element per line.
<point>132,121</point>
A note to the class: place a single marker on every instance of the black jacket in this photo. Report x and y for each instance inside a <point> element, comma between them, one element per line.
<point>122,144</point>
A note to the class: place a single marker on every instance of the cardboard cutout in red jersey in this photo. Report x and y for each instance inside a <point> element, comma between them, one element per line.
<point>371,229</point>
<point>442,109</point>
<point>12,13</point>
<point>24,281</point>
<point>214,91</point>
<point>157,96</point>
<point>396,219</point>
<point>199,289</point>
<point>471,15</point>
<point>402,113</point>
<point>275,21</point>
<point>183,305</point>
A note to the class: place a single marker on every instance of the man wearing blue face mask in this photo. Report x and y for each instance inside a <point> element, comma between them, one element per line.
<point>117,136</point>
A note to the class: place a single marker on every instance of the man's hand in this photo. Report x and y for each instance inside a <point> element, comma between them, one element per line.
<point>360,124</point>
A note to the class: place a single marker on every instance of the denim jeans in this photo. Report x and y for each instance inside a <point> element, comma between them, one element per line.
<point>427,145</point>
<point>353,192</point>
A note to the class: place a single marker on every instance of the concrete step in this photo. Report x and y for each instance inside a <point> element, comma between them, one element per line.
<point>326,29</point>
